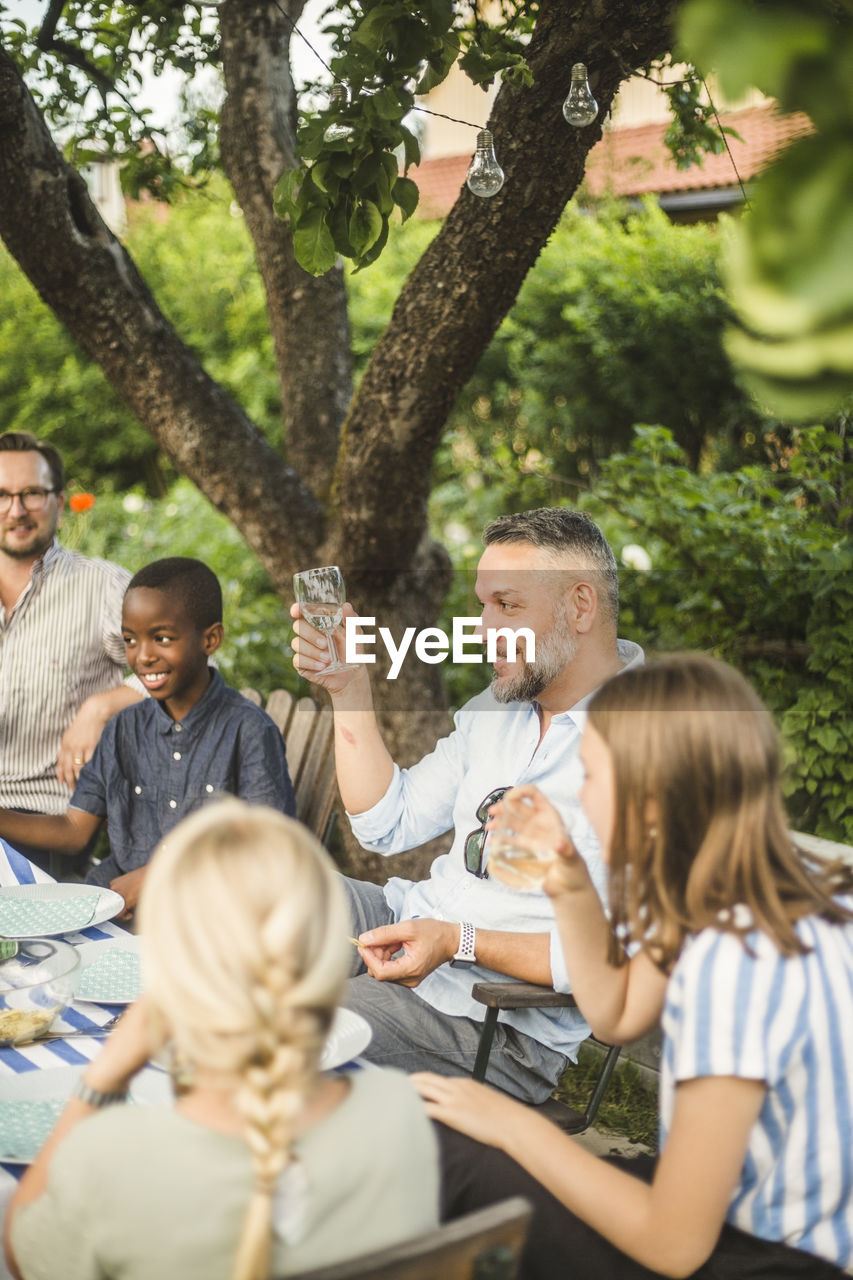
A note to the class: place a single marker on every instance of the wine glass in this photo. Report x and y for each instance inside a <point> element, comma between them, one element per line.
<point>514,858</point>
<point>321,593</point>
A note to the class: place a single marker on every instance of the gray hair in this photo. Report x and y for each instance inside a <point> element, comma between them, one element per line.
<point>565,532</point>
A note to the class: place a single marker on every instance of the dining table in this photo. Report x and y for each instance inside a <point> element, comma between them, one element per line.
<point>54,1055</point>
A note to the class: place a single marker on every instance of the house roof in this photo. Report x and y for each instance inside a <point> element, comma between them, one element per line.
<point>634,160</point>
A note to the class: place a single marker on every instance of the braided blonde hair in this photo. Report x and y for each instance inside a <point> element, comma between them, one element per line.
<point>245,954</point>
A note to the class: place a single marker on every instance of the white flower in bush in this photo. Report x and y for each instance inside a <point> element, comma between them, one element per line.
<point>636,557</point>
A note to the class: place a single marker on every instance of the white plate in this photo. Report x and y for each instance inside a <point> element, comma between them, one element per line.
<point>350,1035</point>
<point>92,951</point>
<point>110,904</point>
<point>55,1084</point>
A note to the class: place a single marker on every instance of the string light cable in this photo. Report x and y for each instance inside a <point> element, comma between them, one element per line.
<point>580,109</point>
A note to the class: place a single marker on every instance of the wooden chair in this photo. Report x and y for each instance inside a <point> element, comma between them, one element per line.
<point>527,995</point>
<point>483,1245</point>
<point>308,732</point>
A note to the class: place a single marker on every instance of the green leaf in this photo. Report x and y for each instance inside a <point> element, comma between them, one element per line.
<point>411,146</point>
<point>371,30</point>
<point>286,192</point>
<point>324,179</point>
<point>406,195</point>
<point>438,15</point>
<point>313,244</point>
<point>338,222</point>
<point>375,250</point>
<point>439,64</point>
<point>365,226</point>
<point>386,104</point>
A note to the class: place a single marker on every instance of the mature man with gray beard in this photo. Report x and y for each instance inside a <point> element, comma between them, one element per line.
<point>423,944</point>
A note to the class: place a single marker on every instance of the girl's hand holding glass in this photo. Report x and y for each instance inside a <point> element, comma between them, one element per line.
<point>528,841</point>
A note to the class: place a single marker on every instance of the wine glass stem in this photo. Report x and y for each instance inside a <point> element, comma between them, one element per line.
<point>333,653</point>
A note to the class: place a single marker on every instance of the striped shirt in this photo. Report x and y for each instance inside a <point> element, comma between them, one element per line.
<point>789,1022</point>
<point>60,644</point>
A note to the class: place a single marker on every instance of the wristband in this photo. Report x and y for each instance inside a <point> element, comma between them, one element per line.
<point>466,955</point>
<point>95,1097</point>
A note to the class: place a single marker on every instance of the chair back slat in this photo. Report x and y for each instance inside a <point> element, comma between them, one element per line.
<point>279,708</point>
<point>297,740</point>
<point>308,732</point>
<point>318,789</point>
<point>483,1245</point>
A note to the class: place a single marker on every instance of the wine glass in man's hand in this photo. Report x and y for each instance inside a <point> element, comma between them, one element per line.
<point>321,595</point>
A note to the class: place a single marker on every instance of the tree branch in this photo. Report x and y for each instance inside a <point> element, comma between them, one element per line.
<point>53,229</point>
<point>467,280</point>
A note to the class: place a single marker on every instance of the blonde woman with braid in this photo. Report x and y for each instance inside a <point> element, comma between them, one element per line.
<point>264,1166</point>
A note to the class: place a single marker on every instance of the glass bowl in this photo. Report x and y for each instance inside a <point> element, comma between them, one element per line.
<point>36,984</point>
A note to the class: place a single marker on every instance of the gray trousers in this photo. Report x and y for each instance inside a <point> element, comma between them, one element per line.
<point>410,1034</point>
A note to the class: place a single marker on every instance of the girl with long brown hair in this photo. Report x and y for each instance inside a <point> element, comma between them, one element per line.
<point>743,947</point>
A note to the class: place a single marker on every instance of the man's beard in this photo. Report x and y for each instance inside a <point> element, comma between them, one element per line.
<point>36,548</point>
<point>553,654</point>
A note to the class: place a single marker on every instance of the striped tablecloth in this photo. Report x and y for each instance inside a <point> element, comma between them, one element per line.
<point>16,869</point>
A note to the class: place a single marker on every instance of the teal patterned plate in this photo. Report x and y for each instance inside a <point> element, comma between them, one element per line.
<point>111,974</point>
<point>24,1127</point>
<point>50,910</point>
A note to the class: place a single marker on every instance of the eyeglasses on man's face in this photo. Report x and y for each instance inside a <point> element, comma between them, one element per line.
<point>32,499</point>
<point>475,841</point>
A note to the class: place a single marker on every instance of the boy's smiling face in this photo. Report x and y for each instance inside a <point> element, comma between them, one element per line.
<point>166,650</point>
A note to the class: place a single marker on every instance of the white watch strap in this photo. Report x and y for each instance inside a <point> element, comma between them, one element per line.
<point>467,942</point>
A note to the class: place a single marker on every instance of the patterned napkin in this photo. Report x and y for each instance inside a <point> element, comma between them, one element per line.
<point>115,977</point>
<point>25,1125</point>
<point>35,917</point>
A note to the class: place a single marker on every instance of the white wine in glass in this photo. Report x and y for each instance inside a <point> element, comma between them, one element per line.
<point>321,594</point>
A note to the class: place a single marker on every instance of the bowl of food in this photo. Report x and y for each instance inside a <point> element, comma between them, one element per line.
<point>37,982</point>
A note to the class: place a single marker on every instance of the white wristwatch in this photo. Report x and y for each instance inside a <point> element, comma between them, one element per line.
<point>465,955</point>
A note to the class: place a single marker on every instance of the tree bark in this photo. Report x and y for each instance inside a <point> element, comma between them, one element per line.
<point>307,316</point>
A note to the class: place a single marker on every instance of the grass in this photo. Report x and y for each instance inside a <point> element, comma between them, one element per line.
<point>629,1106</point>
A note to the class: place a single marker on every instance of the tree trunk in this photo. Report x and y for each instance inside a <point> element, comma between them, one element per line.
<point>307,316</point>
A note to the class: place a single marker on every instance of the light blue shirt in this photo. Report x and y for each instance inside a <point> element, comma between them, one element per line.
<point>493,745</point>
<point>743,1009</point>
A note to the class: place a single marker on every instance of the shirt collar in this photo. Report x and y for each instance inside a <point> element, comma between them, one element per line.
<point>199,713</point>
<point>630,655</point>
<point>53,553</point>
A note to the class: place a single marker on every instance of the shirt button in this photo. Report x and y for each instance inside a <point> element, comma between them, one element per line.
<point>177,728</point>
<point>173,804</point>
<point>138,790</point>
<point>176,755</point>
<point>208,787</point>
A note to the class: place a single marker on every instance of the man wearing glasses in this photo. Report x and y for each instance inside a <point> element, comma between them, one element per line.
<point>423,945</point>
<point>62,658</point>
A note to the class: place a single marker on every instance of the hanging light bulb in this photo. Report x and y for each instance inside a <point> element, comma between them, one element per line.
<point>580,108</point>
<point>485,176</point>
<point>337,132</point>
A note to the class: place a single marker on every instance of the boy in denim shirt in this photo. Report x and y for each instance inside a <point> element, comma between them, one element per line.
<point>191,739</point>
